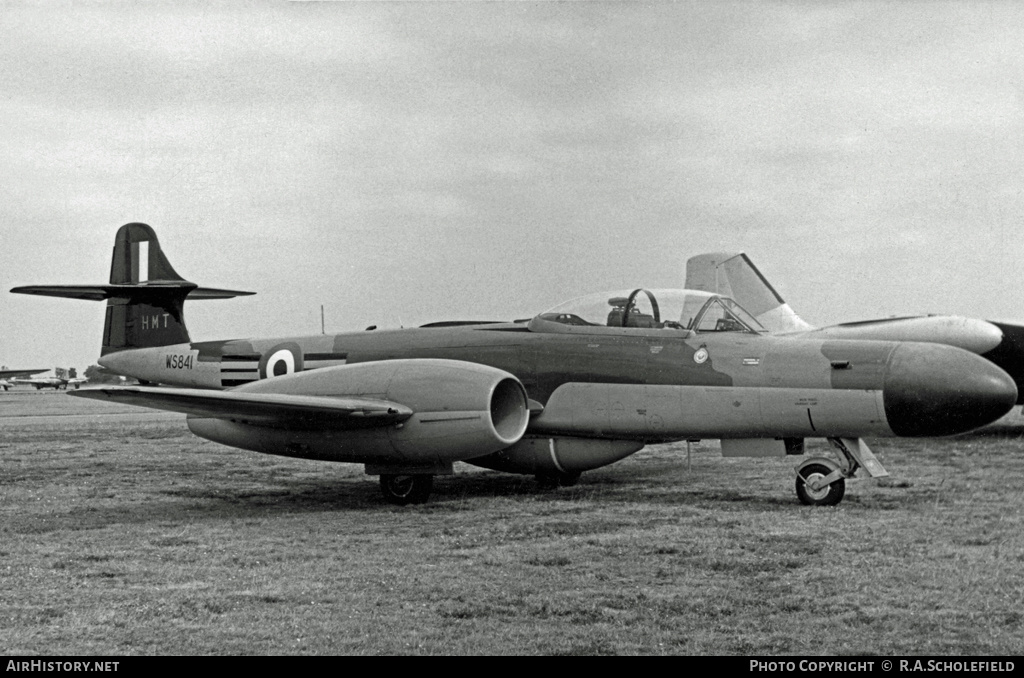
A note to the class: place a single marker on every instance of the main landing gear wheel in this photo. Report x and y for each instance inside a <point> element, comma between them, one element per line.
<point>830,495</point>
<point>551,480</point>
<point>404,490</point>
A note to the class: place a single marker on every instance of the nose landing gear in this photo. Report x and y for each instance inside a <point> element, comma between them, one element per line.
<point>821,481</point>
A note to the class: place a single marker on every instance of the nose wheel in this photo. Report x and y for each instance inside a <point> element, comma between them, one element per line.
<point>814,488</point>
<point>822,482</point>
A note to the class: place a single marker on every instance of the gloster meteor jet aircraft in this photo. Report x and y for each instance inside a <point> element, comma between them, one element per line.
<point>62,380</point>
<point>734,274</point>
<point>575,388</point>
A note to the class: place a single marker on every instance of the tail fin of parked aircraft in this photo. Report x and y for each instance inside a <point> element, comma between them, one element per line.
<point>733,274</point>
<point>145,297</point>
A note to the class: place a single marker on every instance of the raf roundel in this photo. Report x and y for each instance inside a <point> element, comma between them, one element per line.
<point>701,356</point>
<point>281,360</point>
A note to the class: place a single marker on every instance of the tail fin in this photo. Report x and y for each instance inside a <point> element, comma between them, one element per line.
<point>733,274</point>
<point>145,297</point>
<point>138,257</point>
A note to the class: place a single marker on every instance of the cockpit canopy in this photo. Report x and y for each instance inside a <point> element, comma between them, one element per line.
<point>679,310</point>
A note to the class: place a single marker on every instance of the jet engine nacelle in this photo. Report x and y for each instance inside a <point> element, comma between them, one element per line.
<point>460,410</point>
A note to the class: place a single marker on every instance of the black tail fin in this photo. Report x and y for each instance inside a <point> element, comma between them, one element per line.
<point>145,297</point>
<point>152,313</point>
<point>138,257</point>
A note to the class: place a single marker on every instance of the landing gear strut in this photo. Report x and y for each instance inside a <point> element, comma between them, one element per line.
<point>406,489</point>
<point>822,481</point>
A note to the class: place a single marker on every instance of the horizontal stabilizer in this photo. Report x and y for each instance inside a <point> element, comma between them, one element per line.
<point>128,291</point>
<point>277,410</point>
<point>214,293</point>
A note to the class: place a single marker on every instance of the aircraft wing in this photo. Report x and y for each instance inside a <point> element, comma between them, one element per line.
<point>20,373</point>
<point>279,410</point>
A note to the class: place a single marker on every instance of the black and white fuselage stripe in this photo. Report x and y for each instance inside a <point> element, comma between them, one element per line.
<point>236,370</point>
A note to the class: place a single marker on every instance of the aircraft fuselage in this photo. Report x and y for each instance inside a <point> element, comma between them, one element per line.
<point>647,385</point>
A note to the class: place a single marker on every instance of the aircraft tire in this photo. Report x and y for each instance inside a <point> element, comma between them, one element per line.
<point>406,489</point>
<point>829,496</point>
<point>552,480</point>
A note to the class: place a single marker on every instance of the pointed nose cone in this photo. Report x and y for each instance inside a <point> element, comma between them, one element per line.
<point>936,390</point>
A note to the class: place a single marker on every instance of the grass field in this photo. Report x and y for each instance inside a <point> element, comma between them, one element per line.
<point>121,533</point>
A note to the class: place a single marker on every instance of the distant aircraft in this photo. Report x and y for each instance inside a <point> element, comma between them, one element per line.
<point>62,379</point>
<point>734,274</point>
<point>575,388</point>
<point>40,383</point>
<point>6,373</point>
<point>70,377</point>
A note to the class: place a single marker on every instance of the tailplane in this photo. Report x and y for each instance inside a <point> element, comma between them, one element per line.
<point>733,274</point>
<point>145,297</point>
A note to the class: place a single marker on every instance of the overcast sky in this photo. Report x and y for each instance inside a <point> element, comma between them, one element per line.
<point>402,163</point>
